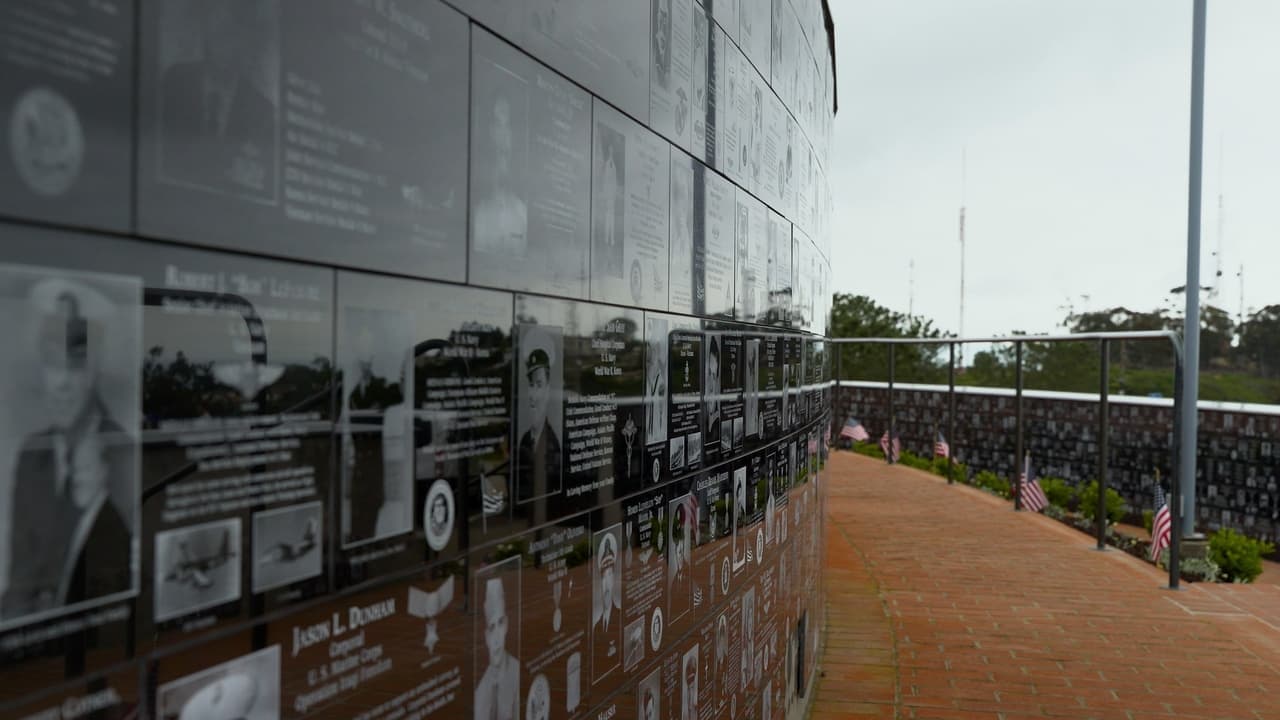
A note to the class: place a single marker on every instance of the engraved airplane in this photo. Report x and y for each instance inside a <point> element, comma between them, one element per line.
<point>194,571</point>
<point>284,552</point>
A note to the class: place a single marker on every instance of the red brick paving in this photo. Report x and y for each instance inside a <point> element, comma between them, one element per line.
<point>945,604</point>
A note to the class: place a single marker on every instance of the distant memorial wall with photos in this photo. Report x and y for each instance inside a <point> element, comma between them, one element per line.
<point>383,359</point>
<point>1238,460</point>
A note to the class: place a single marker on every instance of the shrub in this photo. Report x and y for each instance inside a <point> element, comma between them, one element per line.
<point>1239,558</point>
<point>1059,492</point>
<point>869,449</point>
<point>993,483</point>
<point>1193,569</point>
<point>1089,503</point>
<point>1056,512</point>
<point>1148,519</point>
<point>912,460</point>
<point>958,469</point>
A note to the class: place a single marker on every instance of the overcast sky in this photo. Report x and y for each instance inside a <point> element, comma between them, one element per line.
<point>1075,119</point>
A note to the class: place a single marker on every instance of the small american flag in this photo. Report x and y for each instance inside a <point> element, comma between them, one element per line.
<point>940,446</point>
<point>1033,497</point>
<point>854,431</point>
<point>1161,524</point>
<point>892,450</point>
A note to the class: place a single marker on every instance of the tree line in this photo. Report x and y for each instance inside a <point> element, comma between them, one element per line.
<point>1239,361</point>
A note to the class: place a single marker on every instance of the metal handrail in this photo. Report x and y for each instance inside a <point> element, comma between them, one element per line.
<point>1180,492</point>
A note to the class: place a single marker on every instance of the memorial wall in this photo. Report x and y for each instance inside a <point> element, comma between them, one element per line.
<point>1237,465</point>
<point>408,359</point>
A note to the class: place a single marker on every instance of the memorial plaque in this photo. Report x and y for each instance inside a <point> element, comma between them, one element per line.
<point>688,192</point>
<point>733,117</point>
<point>531,172</point>
<point>388,650</point>
<point>778,276</point>
<point>726,13</point>
<point>237,391</point>
<point>631,200</point>
<point>755,115</point>
<point>66,82</point>
<point>580,423</point>
<point>673,396</point>
<point>602,44</point>
<point>726,411</point>
<point>555,620</point>
<point>671,72</point>
<point>751,259</point>
<point>787,167</point>
<point>424,401</point>
<point>719,245</point>
<point>259,130</point>
<point>708,80</point>
<point>643,563</point>
<point>754,35</point>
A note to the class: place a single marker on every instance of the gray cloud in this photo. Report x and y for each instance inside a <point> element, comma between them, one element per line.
<point>1075,117</point>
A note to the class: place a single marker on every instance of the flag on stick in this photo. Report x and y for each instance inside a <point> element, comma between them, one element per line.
<point>891,449</point>
<point>940,447</point>
<point>854,431</point>
<point>1161,524</point>
<point>1033,497</point>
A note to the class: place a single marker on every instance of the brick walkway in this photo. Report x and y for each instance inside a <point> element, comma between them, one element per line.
<point>944,603</point>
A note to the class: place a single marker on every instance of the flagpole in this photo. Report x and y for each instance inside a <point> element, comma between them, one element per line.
<point>1191,320</point>
<point>963,172</point>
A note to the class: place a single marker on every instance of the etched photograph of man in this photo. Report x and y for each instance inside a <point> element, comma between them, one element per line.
<point>711,391</point>
<point>606,604</point>
<point>497,672</point>
<point>682,530</point>
<point>751,386</point>
<point>661,20</point>
<point>375,423</point>
<point>499,152</point>
<point>69,440</point>
<point>219,96</point>
<point>689,685</point>
<point>197,568</point>
<point>540,394</point>
<point>655,385</point>
<point>288,545</point>
<point>608,200</point>
<point>722,651</point>
<point>755,135</point>
<point>247,688</point>
<point>740,516</point>
<point>648,696</point>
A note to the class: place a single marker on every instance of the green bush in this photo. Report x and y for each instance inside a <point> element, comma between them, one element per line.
<point>1059,492</point>
<point>1193,569</point>
<point>1239,558</point>
<point>993,483</point>
<point>1089,503</point>
<point>868,449</point>
<point>1148,519</point>
<point>959,472</point>
<point>912,460</point>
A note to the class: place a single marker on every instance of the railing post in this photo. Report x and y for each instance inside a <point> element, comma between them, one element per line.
<point>951,409</point>
<point>1017,406</point>
<point>888,455</point>
<point>1100,519</point>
